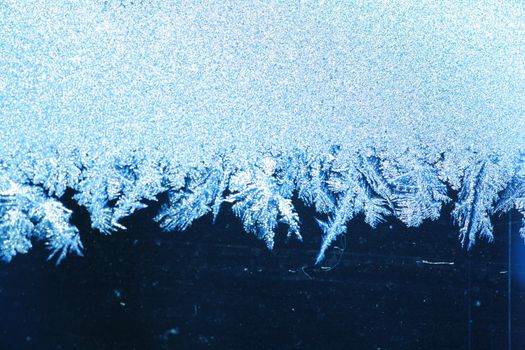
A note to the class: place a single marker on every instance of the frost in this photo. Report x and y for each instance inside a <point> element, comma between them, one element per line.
<point>27,213</point>
<point>359,187</point>
<point>356,110</point>
<point>202,192</point>
<point>260,202</point>
<point>312,185</point>
<point>482,182</point>
<point>419,194</point>
<point>514,195</point>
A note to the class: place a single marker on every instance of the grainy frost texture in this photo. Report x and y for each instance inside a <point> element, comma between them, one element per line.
<point>354,108</point>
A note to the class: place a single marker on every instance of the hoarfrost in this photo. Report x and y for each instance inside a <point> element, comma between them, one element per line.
<point>354,109</point>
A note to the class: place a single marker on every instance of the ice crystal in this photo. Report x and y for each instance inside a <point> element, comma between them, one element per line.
<point>514,195</point>
<point>261,204</point>
<point>356,109</point>
<point>27,213</point>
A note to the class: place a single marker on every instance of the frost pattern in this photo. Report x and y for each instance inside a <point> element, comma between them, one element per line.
<point>201,192</point>
<point>514,195</point>
<point>256,107</point>
<point>340,186</point>
<point>359,187</point>
<point>482,182</point>
<point>260,202</point>
<point>27,213</point>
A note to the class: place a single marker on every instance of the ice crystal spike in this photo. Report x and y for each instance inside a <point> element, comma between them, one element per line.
<point>27,213</point>
<point>482,183</point>
<point>514,194</point>
<point>258,201</point>
<point>369,110</point>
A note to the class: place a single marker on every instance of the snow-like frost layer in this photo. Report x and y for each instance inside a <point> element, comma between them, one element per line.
<point>374,109</point>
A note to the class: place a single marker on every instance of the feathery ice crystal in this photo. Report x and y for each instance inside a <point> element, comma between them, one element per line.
<point>352,108</point>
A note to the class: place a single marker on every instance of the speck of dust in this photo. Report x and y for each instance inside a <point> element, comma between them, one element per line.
<point>118,293</point>
<point>170,333</point>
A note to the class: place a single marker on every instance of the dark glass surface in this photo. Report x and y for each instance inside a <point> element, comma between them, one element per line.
<point>216,287</point>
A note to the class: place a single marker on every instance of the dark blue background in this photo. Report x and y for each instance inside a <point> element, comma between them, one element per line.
<point>216,287</point>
